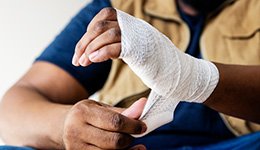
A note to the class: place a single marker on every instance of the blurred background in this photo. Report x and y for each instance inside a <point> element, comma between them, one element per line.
<point>26,28</point>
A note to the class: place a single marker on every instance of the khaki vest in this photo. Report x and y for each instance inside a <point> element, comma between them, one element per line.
<point>230,36</point>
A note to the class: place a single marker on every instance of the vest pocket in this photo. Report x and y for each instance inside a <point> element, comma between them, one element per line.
<point>244,48</point>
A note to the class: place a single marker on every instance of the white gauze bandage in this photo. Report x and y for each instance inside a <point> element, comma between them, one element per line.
<point>172,75</point>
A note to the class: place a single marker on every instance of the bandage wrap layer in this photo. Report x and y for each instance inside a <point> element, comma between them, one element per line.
<point>172,75</point>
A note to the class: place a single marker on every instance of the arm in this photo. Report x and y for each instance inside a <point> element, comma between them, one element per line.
<point>236,94</point>
<point>32,112</point>
<point>47,108</point>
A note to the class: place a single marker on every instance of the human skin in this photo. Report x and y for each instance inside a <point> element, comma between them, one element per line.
<point>33,111</point>
<point>42,112</point>
<point>237,93</point>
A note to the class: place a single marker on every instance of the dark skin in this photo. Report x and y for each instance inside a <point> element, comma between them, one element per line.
<point>43,111</point>
<point>42,115</point>
<point>237,93</point>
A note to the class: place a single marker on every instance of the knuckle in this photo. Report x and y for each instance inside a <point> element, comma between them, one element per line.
<point>117,122</point>
<point>119,141</point>
<point>70,133</point>
<point>108,11</point>
<point>83,107</point>
<point>90,103</point>
<point>115,32</point>
<point>116,54</point>
<point>106,51</point>
<point>79,109</point>
<point>100,26</point>
<point>112,51</point>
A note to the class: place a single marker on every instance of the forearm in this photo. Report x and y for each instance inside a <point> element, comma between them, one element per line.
<point>28,118</point>
<point>237,92</point>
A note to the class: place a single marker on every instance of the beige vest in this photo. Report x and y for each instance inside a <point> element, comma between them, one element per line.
<point>231,36</point>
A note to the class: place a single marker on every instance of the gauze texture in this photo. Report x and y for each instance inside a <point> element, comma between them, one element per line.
<point>172,75</point>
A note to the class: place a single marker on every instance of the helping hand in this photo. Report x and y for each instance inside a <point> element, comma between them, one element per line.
<point>92,125</point>
<point>101,42</point>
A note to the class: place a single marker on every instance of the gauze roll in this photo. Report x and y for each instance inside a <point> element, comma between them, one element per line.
<point>172,75</point>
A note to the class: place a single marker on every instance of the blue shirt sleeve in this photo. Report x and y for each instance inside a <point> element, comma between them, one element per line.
<point>61,50</point>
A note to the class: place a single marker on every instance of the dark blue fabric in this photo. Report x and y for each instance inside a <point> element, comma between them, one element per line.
<point>195,24</point>
<point>246,142</point>
<point>193,125</point>
<point>14,148</point>
<point>61,50</point>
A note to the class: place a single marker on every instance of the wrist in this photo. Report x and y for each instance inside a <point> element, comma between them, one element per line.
<point>55,132</point>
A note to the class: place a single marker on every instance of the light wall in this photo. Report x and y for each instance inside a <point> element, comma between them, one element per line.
<point>26,28</point>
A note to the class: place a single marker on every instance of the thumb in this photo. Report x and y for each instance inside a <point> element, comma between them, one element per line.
<point>138,147</point>
<point>136,109</point>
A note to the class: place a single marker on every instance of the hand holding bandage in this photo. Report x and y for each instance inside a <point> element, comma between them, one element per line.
<point>172,75</point>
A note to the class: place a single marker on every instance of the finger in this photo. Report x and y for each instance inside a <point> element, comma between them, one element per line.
<point>105,139</point>
<point>80,145</point>
<point>104,20</point>
<point>107,52</point>
<point>107,13</point>
<point>100,27</point>
<point>112,35</point>
<point>107,119</point>
<point>138,147</point>
<point>136,109</point>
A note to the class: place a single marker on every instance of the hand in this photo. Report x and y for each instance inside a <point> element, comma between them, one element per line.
<point>101,42</point>
<point>94,126</point>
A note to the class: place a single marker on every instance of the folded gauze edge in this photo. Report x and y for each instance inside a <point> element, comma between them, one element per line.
<point>172,75</point>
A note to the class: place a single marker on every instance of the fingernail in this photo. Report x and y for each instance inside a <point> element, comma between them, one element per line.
<point>138,147</point>
<point>93,55</point>
<point>144,128</point>
<point>141,129</point>
<point>75,60</point>
<point>82,60</point>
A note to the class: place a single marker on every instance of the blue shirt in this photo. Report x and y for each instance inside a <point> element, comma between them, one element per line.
<point>194,124</point>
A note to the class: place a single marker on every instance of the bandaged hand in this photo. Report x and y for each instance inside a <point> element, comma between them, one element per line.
<point>172,75</point>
